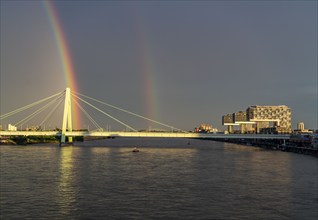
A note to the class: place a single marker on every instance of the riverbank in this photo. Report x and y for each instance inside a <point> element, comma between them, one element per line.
<point>29,140</point>
<point>276,145</point>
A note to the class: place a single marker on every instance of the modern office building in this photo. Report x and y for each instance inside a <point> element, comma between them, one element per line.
<point>241,119</point>
<point>278,117</point>
<point>206,128</point>
<point>260,119</point>
<point>300,126</point>
<point>240,116</point>
<point>228,121</point>
<point>302,130</point>
<point>12,127</point>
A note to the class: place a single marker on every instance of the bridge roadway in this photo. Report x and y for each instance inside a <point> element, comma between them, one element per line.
<point>147,134</point>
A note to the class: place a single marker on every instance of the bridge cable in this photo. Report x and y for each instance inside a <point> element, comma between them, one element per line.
<point>104,113</point>
<point>51,112</point>
<point>28,118</point>
<point>29,106</point>
<point>87,115</point>
<point>131,113</point>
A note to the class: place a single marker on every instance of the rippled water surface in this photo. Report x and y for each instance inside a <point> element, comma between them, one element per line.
<point>167,179</point>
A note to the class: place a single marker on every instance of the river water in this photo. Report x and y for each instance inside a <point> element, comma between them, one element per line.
<point>167,179</point>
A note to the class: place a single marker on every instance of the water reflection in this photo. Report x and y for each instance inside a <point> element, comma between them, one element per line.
<point>165,180</point>
<point>66,190</point>
<point>100,150</point>
<point>242,166</point>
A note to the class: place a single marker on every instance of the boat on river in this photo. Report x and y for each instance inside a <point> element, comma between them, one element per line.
<point>135,150</point>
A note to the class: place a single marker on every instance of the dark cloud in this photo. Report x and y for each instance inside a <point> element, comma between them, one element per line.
<point>204,59</point>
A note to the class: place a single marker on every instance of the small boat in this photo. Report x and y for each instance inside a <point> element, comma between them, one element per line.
<point>135,149</point>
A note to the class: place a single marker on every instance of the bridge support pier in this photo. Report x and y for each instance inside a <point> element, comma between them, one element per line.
<point>67,117</point>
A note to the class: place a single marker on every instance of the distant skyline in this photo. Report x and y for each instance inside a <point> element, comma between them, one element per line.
<point>179,62</point>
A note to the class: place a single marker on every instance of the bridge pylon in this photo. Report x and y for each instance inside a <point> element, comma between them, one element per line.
<point>67,116</point>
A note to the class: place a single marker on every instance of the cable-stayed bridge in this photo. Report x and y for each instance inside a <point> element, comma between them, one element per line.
<point>112,134</point>
<point>70,97</point>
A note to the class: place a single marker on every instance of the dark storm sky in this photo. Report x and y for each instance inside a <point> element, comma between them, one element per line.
<point>180,62</point>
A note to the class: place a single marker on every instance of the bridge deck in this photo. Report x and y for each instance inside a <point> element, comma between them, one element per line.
<point>147,134</point>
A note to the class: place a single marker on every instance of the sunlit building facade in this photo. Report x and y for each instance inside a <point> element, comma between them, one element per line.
<point>301,126</point>
<point>260,119</point>
<point>279,116</point>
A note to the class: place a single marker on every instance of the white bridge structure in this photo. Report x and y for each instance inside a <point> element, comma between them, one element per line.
<point>67,128</point>
<point>114,134</point>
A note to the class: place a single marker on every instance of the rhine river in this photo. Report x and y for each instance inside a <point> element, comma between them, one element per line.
<point>167,179</point>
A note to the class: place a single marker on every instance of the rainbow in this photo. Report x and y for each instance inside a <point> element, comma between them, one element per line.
<point>64,53</point>
<point>148,81</point>
<point>147,67</point>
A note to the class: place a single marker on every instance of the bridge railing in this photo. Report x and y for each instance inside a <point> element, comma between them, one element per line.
<point>147,134</point>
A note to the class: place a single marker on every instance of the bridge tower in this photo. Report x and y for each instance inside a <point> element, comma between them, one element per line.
<point>67,116</point>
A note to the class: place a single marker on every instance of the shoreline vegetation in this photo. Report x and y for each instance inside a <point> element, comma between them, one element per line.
<point>22,140</point>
